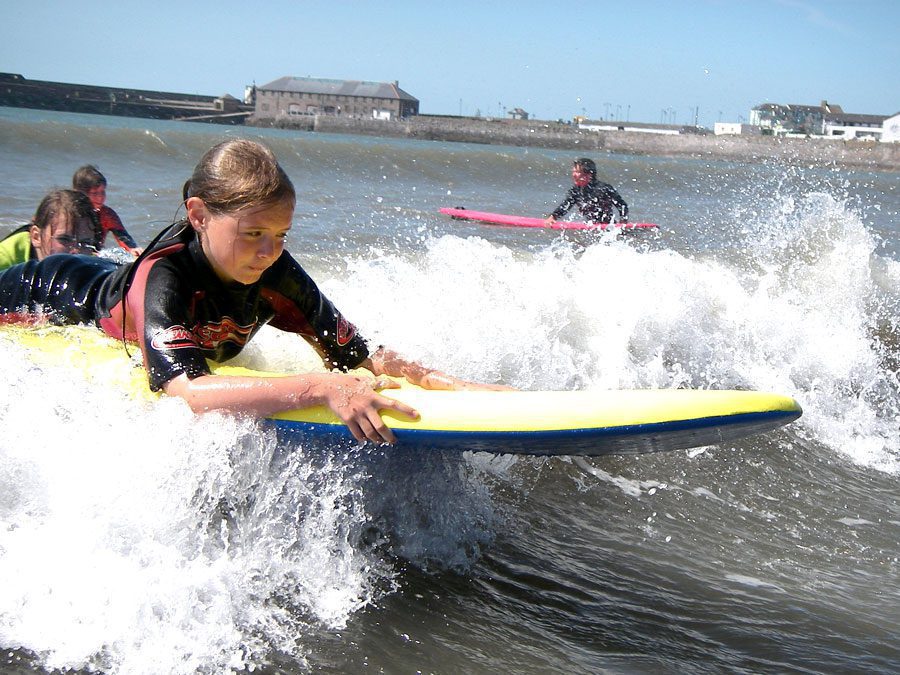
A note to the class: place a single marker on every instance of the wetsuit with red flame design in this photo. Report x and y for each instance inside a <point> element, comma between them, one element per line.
<point>179,311</point>
<point>110,223</point>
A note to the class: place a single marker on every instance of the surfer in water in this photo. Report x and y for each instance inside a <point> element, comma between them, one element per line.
<point>204,287</point>
<point>65,222</point>
<point>91,182</point>
<point>596,201</point>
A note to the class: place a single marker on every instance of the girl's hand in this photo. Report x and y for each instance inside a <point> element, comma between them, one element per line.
<point>435,379</point>
<point>387,362</point>
<point>353,399</point>
<point>357,403</point>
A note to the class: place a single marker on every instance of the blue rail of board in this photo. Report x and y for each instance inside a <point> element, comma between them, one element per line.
<point>631,439</point>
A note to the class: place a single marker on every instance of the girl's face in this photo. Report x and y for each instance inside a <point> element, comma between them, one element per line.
<point>241,246</point>
<point>64,235</point>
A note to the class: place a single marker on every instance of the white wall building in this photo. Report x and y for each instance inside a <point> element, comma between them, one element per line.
<point>890,129</point>
<point>849,126</point>
<point>727,128</point>
<point>640,127</point>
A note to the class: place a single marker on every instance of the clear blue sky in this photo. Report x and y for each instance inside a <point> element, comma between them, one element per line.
<point>644,60</point>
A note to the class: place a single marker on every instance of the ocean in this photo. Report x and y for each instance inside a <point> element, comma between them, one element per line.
<point>138,537</point>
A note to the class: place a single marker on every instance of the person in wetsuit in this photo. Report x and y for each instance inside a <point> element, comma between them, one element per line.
<point>64,222</point>
<point>204,288</point>
<point>597,202</point>
<point>91,182</point>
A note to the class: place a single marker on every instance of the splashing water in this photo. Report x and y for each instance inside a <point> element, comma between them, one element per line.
<point>199,543</point>
<point>797,310</point>
<point>138,533</point>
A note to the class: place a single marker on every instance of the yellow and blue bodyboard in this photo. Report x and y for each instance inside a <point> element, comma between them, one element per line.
<point>589,422</point>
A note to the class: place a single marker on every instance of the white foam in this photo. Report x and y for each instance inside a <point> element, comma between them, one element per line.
<point>111,523</point>
<point>794,313</point>
<point>140,533</point>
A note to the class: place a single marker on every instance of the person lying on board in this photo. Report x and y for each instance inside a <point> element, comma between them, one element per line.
<point>64,222</point>
<point>204,287</point>
<point>596,201</point>
<point>91,182</point>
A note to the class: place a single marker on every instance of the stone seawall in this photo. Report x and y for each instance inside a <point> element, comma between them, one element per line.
<point>821,151</point>
<point>19,92</point>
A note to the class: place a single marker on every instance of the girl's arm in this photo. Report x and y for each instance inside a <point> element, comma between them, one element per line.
<point>353,399</point>
<point>386,362</point>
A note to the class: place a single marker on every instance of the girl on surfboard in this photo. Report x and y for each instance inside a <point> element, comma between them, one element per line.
<point>204,287</point>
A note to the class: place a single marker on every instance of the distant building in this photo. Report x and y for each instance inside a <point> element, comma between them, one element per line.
<point>849,126</point>
<point>825,119</point>
<point>777,118</point>
<point>735,129</point>
<point>299,96</point>
<point>639,127</point>
<point>890,129</point>
<point>727,128</point>
<point>518,114</point>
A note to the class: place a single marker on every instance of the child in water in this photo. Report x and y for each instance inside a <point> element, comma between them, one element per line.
<point>91,182</point>
<point>65,222</point>
<point>598,202</point>
<point>207,284</point>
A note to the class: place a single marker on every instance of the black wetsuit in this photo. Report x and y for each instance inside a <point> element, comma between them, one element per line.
<point>178,309</point>
<point>596,201</point>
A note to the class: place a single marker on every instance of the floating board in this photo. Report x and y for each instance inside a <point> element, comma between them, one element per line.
<point>522,422</point>
<point>525,221</point>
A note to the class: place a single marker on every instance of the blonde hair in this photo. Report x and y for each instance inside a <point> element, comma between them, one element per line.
<point>239,174</point>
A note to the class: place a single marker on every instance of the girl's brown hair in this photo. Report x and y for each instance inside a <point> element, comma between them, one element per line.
<point>239,174</point>
<point>70,204</point>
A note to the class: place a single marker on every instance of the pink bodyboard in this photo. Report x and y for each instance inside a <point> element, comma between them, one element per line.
<point>525,221</point>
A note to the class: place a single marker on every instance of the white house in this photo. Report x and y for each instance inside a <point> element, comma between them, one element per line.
<point>736,129</point>
<point>890,129</point>
<point>849,126</point>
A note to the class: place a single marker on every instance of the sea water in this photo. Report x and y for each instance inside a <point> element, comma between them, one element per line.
<point>137,537</point>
